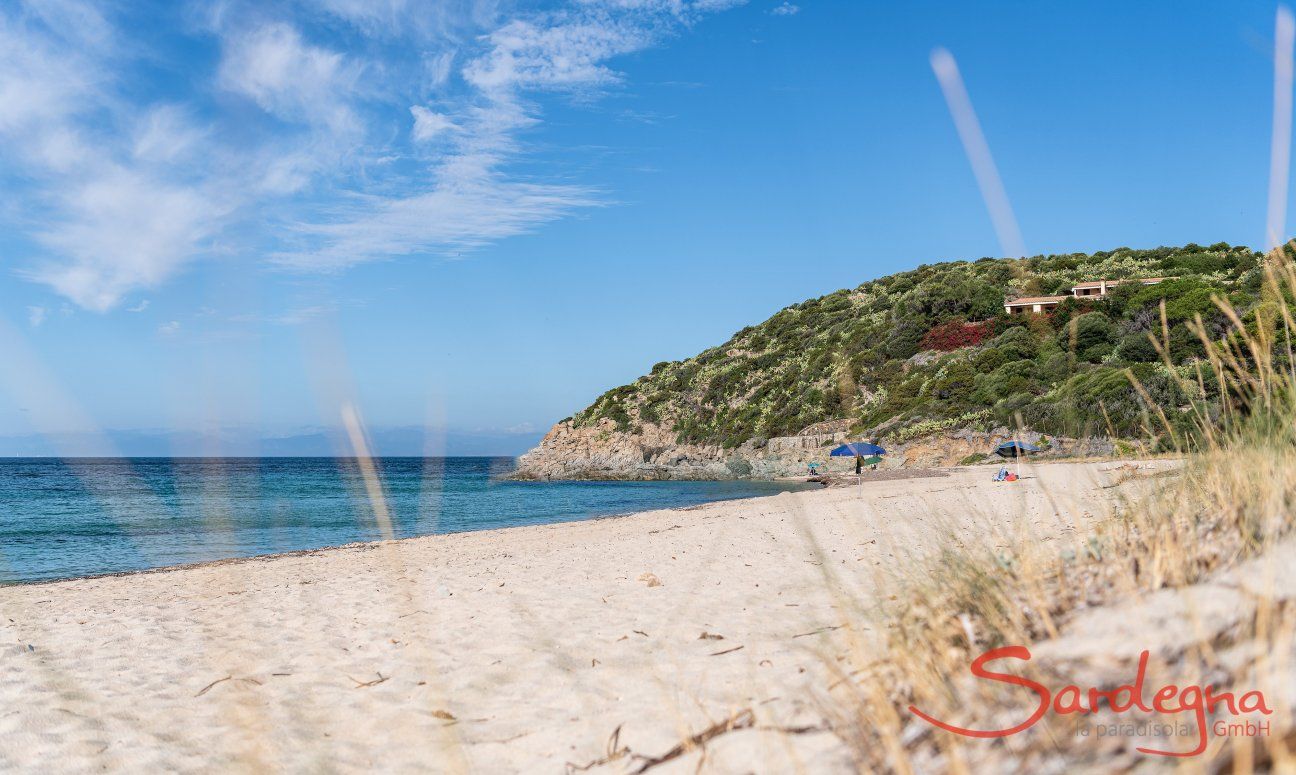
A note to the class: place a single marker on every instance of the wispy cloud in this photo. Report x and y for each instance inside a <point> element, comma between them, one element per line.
<point>786,9</point>
<point>466,199</point>
<point>36,316</point>
<point>118,230</point>
<point>109,214</point>
<point>293,317</point>
<point>429,125</point>
<point>325,134</point>
<point>291,79</point>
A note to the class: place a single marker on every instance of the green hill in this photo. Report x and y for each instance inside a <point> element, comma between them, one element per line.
<point>932,349</point>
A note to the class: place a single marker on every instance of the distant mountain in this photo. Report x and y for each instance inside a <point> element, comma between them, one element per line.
<point>394,442</point>
<point>923,352</point>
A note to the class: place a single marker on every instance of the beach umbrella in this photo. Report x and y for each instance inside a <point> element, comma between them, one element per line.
<point>860,448</point>
<point>1015,449</point>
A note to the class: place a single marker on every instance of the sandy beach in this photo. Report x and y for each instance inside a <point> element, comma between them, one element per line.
<point>527,649</point>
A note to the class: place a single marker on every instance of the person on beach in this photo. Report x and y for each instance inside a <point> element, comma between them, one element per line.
<point>859,464</point>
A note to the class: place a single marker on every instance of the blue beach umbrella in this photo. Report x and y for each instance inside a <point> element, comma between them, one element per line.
<point>1015,448</point>
<point>860,448</point>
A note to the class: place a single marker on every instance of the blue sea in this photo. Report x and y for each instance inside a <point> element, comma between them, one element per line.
<point>83,517</point>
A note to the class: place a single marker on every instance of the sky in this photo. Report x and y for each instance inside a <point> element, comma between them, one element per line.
<point>223,222</point>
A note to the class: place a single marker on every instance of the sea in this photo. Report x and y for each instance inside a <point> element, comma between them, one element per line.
<point>66,518</point>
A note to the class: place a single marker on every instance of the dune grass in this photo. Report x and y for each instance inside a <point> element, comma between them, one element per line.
<point>1232,500</point>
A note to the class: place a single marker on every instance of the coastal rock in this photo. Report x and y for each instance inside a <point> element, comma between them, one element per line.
<point>600,451</point>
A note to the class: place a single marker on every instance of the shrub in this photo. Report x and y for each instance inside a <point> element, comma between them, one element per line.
<point>1137,348</point>
<point>1184,297</point>
<point>954,335</point>
<point>1089,330</point>
<point>1016,344</point>
<point>1015,377</point>
<point>954,381</point>
<point>989,359</point>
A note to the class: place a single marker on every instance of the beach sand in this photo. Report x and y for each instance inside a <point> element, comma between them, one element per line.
<point>513,650</point>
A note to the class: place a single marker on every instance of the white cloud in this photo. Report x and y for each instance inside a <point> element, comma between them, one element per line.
<point>43,79</point>
<point>438,68</point>
<point>470,202</point>
<point>36,316</point>
<point>118,231</point>
<point>143,305</point>
<point>290,146</point>
<point>428,125</point>
<point>80,23</point>
<point>435,20</point>
<point>166,134</point>
<point>170,328</point>
<point>786,9</point>
<point>527,54</point>
<point>110,220</point>
<point>289,78</point>
<point>449,217</point>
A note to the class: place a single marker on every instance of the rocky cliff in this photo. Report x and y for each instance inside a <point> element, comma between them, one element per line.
<point>600,451</point>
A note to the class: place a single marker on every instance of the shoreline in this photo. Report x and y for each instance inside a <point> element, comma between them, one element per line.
<point>368,545</point>
<point>591,511</point>
<point>824,482</point>
<point>512,649</point>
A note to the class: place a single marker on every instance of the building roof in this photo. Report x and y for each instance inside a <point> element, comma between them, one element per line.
<point>1100,283</point>
<point>1034,300</point>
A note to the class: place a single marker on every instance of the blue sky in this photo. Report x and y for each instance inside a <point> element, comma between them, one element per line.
<point>223,221</point>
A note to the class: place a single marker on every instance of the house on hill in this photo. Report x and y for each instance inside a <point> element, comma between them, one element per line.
<point>1036,304</point>
<point>1096,289</point>
<point>1090,289</point>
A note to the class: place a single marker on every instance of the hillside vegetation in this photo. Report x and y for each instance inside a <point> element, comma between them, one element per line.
<point>932,349</point>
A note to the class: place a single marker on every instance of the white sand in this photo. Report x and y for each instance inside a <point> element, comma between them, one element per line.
<point>538,641</point>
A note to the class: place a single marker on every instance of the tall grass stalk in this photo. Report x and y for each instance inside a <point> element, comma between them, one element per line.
<point>1231,500</point>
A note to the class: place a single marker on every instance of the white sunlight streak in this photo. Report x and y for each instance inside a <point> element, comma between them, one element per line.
<point>57,416</point>
<point>368,471</point>
<point>978,152</point>
<point>1280,145</point>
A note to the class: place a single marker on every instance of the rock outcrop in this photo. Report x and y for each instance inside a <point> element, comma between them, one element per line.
<point>600,451</point>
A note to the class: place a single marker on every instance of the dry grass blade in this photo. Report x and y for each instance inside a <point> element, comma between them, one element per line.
<point>1235,500</point>
<point>743,719</point>
<point>614,751</point>
<point>365,684</point>
<point>209,686</point>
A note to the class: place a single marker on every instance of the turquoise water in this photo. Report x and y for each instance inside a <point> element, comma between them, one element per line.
<point>82,517</point>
